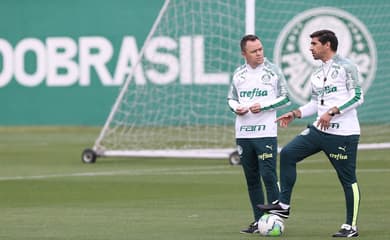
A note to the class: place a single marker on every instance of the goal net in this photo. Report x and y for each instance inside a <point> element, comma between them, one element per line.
<point>187,60</point>
<point>173,102</point>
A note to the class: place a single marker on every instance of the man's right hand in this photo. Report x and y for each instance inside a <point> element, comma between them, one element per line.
<point>285,119</point>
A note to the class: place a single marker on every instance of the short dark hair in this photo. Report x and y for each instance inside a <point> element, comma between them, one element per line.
<point>246,38</point>
<point>325,36</point>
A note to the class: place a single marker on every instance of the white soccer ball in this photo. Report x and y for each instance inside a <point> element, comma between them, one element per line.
<point>270,225</point>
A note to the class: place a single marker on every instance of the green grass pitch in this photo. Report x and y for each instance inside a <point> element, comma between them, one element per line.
<point>48,193</point>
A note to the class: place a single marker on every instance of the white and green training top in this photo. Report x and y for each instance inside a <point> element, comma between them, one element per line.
<point>341,89</point>
<point>265,85</point>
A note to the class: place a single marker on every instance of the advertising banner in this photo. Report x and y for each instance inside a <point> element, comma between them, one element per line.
<point>63,62</point>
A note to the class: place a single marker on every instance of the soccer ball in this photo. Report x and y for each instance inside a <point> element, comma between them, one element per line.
<point>270,225</point>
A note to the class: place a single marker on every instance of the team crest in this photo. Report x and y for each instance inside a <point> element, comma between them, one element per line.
<point>265,78</point>
<point>292,53</point>
<point>334,74</point>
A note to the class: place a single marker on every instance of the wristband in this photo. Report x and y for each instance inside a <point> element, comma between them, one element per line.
<point>294,115</point>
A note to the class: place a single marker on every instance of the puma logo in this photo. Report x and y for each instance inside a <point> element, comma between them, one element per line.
<point>342,148</point>
<point>269,147</point>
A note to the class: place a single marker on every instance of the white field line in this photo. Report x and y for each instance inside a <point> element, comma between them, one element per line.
<point>138,172</point>
<point>217,170</point>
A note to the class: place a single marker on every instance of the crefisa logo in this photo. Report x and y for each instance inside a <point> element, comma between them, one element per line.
<point>292,49</point>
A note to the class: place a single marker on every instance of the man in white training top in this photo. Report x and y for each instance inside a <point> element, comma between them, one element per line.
<point>335,96</point>
<point>257,90</point>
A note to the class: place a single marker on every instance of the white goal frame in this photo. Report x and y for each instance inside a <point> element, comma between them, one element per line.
<point>99,151</point>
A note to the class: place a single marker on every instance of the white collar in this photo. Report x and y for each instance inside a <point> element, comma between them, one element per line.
<point>251,69</point>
